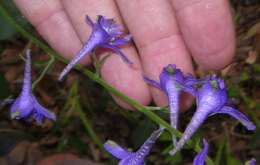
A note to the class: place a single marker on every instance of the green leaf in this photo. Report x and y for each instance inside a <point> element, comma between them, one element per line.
<point>231,160</point>
<point>233,91</point>
<point>244,76</point>
<point>177,158</point>
<point>166,137</point>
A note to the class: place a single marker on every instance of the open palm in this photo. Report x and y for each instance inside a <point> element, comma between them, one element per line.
<point>165,31</point>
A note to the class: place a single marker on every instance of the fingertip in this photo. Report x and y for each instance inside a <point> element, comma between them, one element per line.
<point>217,60</point>
<point>208,31</point>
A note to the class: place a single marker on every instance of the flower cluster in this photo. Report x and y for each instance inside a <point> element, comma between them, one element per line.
<point>210,93</point>
<point>211,98</point>
<point>105,33</point>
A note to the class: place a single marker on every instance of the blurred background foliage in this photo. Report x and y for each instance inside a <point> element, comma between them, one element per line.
<point>87,115</point>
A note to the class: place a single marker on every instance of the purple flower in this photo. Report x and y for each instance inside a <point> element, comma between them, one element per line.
<point>211,98</point>
<point>172,82</point>
<point>105,33</point>
<point>201,156</point>
<point>251,162</point>
<point>26,105</point>
<point>133,158</point>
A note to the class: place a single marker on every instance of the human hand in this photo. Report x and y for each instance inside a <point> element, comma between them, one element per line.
<point>166,31</point>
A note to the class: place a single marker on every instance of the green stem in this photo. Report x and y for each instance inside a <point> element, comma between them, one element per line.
<point>86,123</point>
<point>88,126</point>
<point>43,72</point>
<point>96,78</point>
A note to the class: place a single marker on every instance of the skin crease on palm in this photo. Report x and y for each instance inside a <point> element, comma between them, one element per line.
<point>165,31</point>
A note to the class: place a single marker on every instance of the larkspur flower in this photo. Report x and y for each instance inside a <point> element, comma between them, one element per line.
<point>211,99</point>
<point>201,156</point>
<point>251,162</point>
<point>26,105</point>
<point>133,158</point>
<point>172,83</point>
<point>105,33</point>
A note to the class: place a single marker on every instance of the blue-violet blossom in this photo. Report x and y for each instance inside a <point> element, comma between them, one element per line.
<point>201,156</point>
<point>26,105</point>
<point>251,162</point>
<point>133,158</point>
<point>172,83</point>
<point>105,33</point>
<point>211,99</point>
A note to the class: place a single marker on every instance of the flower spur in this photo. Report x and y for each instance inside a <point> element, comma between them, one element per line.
<point>105,33</point>
<point>26,105</point>
<point>201,156</point>
<point>211,99</point>
<point>133,158</point>
<point>171,83</point>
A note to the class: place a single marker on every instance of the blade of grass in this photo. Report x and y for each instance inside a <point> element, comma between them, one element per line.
<point>85,121</point>
<point>51,61</point>
<point>220,149</point>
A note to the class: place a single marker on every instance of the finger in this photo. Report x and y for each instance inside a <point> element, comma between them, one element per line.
<point>153,26</point>
<point>208,30</point>
<point>52,23</point>
<point>114,70</point>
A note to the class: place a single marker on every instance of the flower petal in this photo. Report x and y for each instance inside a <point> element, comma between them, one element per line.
<point>22,108</point>
<point>116,150</point>
<point>237,115</point>
<point>89,21</point>
<point>41,112</point>
<point>118,52</point>
<point>251,162</point>
<point>201,156</point>
<point>121,41</point>
<point>152,82</point>
<point>110,26</point>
